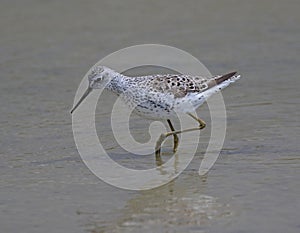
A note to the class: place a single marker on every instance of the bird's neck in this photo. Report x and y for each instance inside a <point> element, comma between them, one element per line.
<point>118,83</point>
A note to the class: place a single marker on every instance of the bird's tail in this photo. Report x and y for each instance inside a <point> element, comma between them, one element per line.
<point>223,81</point>
<point>233,76</point>
<point>218,83</point>
<point>214,85</point>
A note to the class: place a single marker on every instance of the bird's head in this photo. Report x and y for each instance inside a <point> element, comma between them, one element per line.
<point>98,77</point>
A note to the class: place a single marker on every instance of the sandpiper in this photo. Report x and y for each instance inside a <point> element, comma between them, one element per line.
<point>160,96</point>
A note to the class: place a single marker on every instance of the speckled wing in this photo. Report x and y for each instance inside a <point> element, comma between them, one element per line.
<point>181,85</point>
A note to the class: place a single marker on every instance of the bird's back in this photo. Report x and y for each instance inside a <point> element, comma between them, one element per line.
<point>159,96</point>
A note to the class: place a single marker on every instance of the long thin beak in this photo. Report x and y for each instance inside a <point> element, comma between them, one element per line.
<point>86,93</point>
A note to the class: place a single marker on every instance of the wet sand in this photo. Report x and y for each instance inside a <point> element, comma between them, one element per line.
<point>46,49</point>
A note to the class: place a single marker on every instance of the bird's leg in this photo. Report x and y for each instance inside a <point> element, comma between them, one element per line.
<point>202,123</point>
<point>163,136</point>
<point>176,139</point>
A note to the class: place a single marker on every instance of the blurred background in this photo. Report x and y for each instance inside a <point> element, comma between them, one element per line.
<point>46,49</point>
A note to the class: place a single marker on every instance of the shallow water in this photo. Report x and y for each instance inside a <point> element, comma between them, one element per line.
<point>47,47</point>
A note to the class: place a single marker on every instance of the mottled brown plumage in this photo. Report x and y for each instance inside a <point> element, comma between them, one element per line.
<point>181,85</point>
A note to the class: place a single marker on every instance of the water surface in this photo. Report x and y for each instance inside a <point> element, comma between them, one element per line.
<point>47,47</point>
